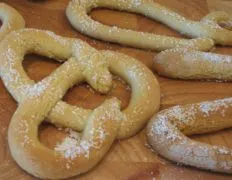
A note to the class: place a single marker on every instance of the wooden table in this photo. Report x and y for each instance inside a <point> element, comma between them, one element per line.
<point>130,158</point>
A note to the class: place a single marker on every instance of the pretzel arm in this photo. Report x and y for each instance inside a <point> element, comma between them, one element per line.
<point>77,13</point>
<point>190,64</point>
<point>167,130</point>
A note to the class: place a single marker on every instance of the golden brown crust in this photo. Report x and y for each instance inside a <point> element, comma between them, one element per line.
<point>190,64</point>
<point>77,13</point>
<point>167,129</point>
<point>39,100</point>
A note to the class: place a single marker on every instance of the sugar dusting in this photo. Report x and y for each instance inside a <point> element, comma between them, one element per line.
<point>193,55</point>
<point>162,128</point>
<point>73,146</point>
<point>179,116</point>
<point>165,133</point>
<point>80,9</point>
<point>9,73</point>
<point>35,90</point>
<point>217,106</point>
<point>23,130</point>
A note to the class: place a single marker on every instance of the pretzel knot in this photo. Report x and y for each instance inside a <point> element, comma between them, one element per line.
<point>39,100</point>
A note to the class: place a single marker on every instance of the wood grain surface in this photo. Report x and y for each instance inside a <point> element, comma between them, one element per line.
<point>131,158</point>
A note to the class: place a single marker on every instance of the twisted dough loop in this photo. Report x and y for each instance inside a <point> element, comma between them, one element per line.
<point>37,101</point>
<point>167,130</point>
<point>212,24</point>
<point>141,79</point>
<point>77,13</point>
<point>11,20</point>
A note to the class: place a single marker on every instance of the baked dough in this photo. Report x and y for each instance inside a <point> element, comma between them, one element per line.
<point>167,129</point>
<point>39,100</point>
<point>77,13</point>
<point>11,20</point>
<point>190,64</point>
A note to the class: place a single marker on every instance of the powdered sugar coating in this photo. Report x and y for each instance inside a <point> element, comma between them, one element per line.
<point>77,13</point>
<point>167,128</point>
<point>72,149</point>
<point>38,99</point>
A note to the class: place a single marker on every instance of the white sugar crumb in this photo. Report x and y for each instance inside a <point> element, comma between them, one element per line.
<point>222,150</point>
<point>200,155</point>
<point>173,14</point>
<point>34,90</point>
<point>181,114</point>
<point>102,133</point>
<point>202,56</point>
<point>23,129</point>
<point>57,38</point>
<point>59,108</point>
<point>72,134</point>
<point>72,148</point>
<point>114,29</point>
<point>214,58</point>
<point>8,72</point>
<point>162,127</point>
<point>219,105</point>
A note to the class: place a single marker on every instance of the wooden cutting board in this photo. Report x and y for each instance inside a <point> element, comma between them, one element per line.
<point>130,158</point>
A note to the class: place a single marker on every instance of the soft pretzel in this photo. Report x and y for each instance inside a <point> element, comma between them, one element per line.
<point>190,64</point>
<point>11,20</point>
<point>77,13</point>
<point>37,101</point>
<point>167,129</point>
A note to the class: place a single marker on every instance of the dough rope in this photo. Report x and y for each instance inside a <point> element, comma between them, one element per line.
<point>77,13</point>
<point>11,20</point>
<point>190,64</point>
<point>39,100</point>
<point>167,129</point>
